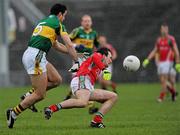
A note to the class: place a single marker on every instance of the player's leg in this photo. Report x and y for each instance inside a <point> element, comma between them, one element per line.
<point>32,107</point>
<point>81,101</point>
<point>163,81</point>
<point>108,99</point>
<point>39,83</point>
<point>80,87</point>
<point>172,81</point>
<point>163,72</point>
<point>54,79</point>
<point>81,59</point>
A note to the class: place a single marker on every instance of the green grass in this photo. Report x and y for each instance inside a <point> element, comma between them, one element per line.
<point>136,113</point>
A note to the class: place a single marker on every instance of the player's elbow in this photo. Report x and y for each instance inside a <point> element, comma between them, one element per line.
<point>70,46</point>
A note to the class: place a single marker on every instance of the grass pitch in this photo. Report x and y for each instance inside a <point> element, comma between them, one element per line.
<point>136,113</point>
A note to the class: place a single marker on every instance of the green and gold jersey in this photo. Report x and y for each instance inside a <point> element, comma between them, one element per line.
<point>45,33</point>
<point>89,40</point>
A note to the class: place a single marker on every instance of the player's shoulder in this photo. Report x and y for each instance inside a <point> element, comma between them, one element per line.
<point>80,28</point>
<point>94,31</point>
<point>171,37</point>
<point>158,39</point>
<point>52,21</point>
<point>77,29</point>
<point>109,45</point>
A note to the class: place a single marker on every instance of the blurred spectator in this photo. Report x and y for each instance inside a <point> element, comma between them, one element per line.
<point>12,25</point>
<point>22,24</point>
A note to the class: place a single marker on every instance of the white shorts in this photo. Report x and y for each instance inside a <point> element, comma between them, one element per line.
<point>110,68</point>
<point>34,61</point>
<point>172,72</point>
<point>164,67</point>
<point>82,82</point>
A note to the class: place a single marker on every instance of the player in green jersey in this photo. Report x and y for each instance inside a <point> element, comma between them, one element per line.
<point>85,40</point>
<point>43,75</point>
<point>84,36</point>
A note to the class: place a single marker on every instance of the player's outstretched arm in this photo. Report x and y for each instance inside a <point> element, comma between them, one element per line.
<point>176,52</point>
<point>177,59</point>
<point>60,47</point>
<point>152,53</point>
<point>69,46</point>
<point>150,56</point>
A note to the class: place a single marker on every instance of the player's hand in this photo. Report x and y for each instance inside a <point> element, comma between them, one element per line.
<point>107,75</point>
<point>145,63</point>
<point>74,68</point>
<point>79,48</point>
<point>177,66</point>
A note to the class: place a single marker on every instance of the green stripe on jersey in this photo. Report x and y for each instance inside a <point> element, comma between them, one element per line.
<point>40,42</point>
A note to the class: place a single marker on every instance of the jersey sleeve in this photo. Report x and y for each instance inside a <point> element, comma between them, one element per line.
<point>74,33</point>
<point>97,60</point>
<point>172,41</point>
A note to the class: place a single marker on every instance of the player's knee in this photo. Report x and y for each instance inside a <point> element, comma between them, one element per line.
<point>57,81</point>
<point>114,97</point>
<point>40,96</point>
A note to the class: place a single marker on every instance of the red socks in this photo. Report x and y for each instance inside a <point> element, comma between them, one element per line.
<point>98,117</point>
<point>53,108</point>
<point>162,94</point>
<point>172,90</point>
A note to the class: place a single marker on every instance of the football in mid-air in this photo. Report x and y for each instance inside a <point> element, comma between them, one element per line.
<point>131,63</point>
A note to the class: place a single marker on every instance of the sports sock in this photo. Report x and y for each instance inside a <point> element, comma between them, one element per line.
<point>172,90</point>
<point>98,117</point>
<point>18,109</point>
<point>30,92</point>
<point>162,94</point>
<point>55,107</point>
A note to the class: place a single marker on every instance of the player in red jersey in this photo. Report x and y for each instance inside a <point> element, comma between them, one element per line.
<point>82,86</point>
<point>167,49</point>
<point>105,83</point>
<point>171,83</point>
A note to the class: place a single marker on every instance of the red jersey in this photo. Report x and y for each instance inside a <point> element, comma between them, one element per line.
<point>92,67</point>
<point>165,46</point>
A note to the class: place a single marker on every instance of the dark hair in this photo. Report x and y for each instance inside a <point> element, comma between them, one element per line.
<point>164,24</point>
<point>56,8</point>
<point>103,51</point>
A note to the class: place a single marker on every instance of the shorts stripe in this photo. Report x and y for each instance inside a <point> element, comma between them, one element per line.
<point>82,82</point>
<point>39,56</point>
